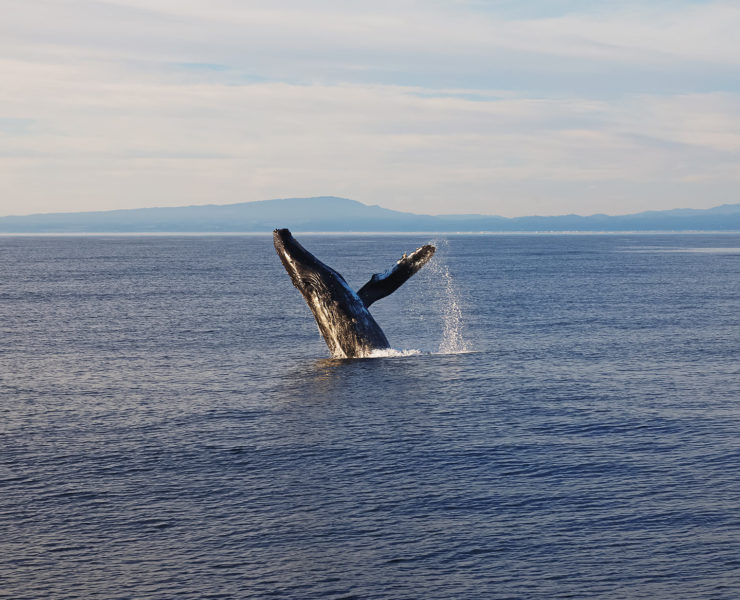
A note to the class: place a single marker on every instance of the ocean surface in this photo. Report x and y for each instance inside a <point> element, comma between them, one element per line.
<point>560,418</point>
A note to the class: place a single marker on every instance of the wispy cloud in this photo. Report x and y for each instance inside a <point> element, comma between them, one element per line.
<point>425,106</point>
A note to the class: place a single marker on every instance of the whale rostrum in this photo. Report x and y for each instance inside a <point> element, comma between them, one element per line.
<point>341,313</point>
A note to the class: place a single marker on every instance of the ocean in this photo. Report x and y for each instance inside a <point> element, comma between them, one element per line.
<point>559,418</point>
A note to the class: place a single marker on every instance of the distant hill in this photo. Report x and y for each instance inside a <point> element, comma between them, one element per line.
<point>328,213</point>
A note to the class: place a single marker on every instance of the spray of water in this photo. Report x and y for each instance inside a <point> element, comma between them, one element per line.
<point>453,341</point>
<point>435,305</point>
<point>392,353</point>
<point>447,300</point>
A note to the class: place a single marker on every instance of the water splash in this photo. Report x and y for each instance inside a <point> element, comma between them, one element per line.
<point>432,318</point>
<point>450,303</point>
<point>392,353</point>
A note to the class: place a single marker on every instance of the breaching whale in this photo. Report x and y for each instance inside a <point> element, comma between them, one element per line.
<point>341,313</point>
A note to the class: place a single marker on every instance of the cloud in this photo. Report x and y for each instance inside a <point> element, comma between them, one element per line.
<point>405,42</point>
<point>144,103</point>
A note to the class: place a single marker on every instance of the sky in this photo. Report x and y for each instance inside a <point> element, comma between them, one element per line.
<point>437,106</point>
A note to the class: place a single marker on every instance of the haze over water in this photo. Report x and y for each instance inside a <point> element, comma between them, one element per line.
<point>172,427</point>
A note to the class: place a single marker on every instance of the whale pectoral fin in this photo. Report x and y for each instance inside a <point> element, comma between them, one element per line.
<point>383,284</point>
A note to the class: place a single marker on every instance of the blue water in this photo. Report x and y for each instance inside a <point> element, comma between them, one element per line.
<point>172,426</point>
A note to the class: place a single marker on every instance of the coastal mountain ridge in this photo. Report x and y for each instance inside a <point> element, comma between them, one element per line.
<point>333,214</point>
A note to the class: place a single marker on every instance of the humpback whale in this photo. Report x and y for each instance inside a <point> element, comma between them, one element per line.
<point>342,314</point>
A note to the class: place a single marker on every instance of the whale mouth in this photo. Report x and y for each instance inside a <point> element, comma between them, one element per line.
<point>305,270</point>
<point>298,262</point>
<point>282,237</point>
<point>287,246</point>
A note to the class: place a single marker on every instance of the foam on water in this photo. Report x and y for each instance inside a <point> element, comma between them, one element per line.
<point>392,353</point>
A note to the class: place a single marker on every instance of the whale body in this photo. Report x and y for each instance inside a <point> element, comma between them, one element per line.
<point>342,314</point>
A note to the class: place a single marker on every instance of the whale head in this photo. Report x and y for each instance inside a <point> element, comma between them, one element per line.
<point>343,319</point>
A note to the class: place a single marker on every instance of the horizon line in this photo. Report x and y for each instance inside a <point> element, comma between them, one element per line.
<point>370,233</point>
<point>442,215</point>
